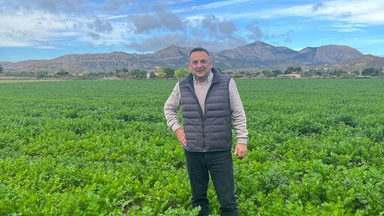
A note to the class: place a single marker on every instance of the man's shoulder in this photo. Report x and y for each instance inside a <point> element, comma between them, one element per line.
<point>222,77</point>
<point>185,80</point>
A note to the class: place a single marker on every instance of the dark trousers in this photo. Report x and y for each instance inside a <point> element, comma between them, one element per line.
<point>220,166</point>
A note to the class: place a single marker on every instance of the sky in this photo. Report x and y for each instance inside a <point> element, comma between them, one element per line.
<point>46,29</point>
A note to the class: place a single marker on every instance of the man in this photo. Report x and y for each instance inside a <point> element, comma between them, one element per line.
<point>210,101</point>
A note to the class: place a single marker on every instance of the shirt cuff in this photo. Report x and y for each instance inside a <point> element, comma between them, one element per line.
<point>175,126</point>
<point>242,140</point>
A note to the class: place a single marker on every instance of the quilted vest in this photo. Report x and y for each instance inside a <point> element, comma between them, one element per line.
<point>211,130</point>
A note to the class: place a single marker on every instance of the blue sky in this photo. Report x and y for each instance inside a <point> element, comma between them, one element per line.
<point>45,29</point>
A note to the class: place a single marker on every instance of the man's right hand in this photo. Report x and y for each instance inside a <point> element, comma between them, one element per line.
<point>181,136</point>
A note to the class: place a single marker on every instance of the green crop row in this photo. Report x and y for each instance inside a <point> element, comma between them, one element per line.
<point>316,147</point>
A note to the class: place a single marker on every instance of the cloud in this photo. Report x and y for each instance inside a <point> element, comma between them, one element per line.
<point>54,24</point>
<point>218,45</point>
<point>117,5</point>
<point>342,27</point>
<point>212,27</point>
<point>170,20</point>
<point>67,6</point>
<point>317,6</point>
<point>158,42</point>
<point>47,29</point>
<point>100,26</point>
<point>41,27</point>
<point>160,20</point>
<point>287,37</point>
<point>94,35</point>
<point>145,23</point>
<point>12,38</point>
<point>219,4</point>
<point>255,31</point>
<point>227,27</point>
<point>368,12</point>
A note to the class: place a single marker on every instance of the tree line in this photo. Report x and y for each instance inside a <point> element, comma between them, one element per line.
<point>123,73</point>
<point>308,73</point>
<point>169,73</point>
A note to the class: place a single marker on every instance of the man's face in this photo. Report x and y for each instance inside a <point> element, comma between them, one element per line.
<point>200,65</point>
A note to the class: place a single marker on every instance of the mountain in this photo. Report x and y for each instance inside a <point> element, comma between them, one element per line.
<point>254,56</point>
<point>260,51</point>
<point>359,64</point>
<point>326,54</point>
<point>84,63</point>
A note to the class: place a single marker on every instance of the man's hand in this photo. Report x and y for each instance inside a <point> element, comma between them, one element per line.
<point>181,136</point>
<point>241,150</point>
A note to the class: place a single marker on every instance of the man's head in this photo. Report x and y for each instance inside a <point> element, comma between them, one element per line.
<point>199,63</point>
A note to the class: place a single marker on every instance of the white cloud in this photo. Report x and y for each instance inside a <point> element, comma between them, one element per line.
<point>7,42</point>
<point>348,27</point>
<point>33,27</point>
<point>45,30</point>
<point>37,25</point>
<point>370,12</point>
<point>46,47</point>
<point>219,4</point>
<point>213,5</point>
<point>118,16</point>
<point>366,41</point>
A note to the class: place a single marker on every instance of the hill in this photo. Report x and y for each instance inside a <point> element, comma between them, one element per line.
<point>254,56</point>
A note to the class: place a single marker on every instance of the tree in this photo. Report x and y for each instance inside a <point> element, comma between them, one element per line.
<point>309,73</point>
<point>267,73</point>
<point>1,69</point>
<point>289,70</point>
<point>161,74</point>
<point>169,72</point>
<point>292,70</point>
<point>370,72</point>
<point>356,73</point>
<point>341,73</point>
<point>276,72</point>
<point>137,74</point>
<point>62,73</point>
<point>319,72</point>
<point>152,75</point>
<point>181,72</point>
<point>42,74</point>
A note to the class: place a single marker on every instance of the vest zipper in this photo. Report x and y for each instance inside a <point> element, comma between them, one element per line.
<point>202,115</point>
<point>203,133</point>
<point>205,111</point>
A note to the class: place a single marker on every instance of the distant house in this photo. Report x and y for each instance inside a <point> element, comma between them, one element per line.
<point>155,70</point>
<point>291,75</point>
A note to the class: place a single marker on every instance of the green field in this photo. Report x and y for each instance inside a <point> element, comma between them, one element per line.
<point>316,147</point>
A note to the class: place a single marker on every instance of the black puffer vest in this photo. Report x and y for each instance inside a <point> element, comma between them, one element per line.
<point>211,131</point>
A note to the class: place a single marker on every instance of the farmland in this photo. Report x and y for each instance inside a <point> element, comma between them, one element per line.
<point>316,147</point>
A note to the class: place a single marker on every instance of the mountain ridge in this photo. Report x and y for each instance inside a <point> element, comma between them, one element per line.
<point>257,55</point>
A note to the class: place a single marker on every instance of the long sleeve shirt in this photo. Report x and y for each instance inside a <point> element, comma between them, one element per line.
<point>173,103</point>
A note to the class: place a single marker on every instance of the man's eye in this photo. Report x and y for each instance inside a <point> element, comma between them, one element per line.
<point>202,62</point>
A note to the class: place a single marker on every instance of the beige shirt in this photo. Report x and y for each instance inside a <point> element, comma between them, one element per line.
<point>173,103</point>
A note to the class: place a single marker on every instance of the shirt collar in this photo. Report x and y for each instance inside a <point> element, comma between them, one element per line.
<point>209,78</point>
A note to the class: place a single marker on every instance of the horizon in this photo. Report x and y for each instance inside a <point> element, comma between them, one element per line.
<point>105,26</point>
<point>169,47</point>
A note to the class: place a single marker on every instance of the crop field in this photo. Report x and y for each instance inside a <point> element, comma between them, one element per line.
<point>316,147</point>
